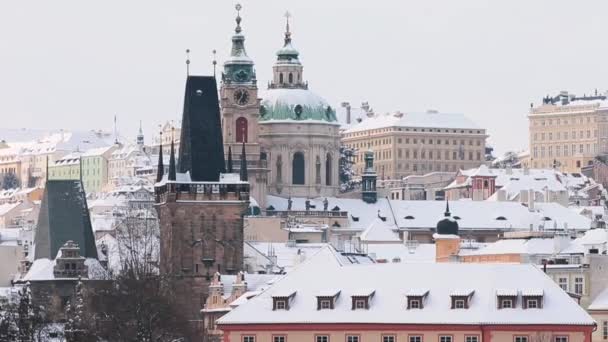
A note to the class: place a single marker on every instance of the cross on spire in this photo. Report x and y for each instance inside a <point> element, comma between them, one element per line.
<point>214,61</point>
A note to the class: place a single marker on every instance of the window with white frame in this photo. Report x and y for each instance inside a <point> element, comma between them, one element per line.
<point>278,339</point>
<point>281,305</point>
<point>352,338</point>
<point>445,338</point>
<point>471,339</point>
<point>459,303</point>
<point>248,338</point>
<point>506,303</point>
<point>578,285</point>
<point>414,303</point>
<point>322,338</point>
<point>521,339</point>
<point>359,304</point>
<point>560,339</point>
<point>415,338</point>
<point>563,283</point>
<point>325,304</point>
<point>532,303</point>
<point>388,338</point>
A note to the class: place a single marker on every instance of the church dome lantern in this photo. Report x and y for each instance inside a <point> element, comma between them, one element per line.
<point>448,225</point>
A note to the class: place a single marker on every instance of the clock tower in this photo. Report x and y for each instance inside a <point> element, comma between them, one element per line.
<point>240,108</point>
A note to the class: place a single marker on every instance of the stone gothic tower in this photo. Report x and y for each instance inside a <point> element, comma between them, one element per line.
<point>200,208</point>
<point>240,113</point>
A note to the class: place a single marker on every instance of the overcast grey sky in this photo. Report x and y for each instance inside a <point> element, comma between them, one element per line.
<point>74,64</point>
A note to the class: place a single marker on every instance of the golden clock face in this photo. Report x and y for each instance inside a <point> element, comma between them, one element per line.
<point>241,96</point>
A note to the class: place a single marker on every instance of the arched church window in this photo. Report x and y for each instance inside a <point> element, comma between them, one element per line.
<point>281,78</point>
<point>318,170</point>
<point>298,168</point>
<point>241,129</point>
<point>328,169</point>
<point>279,169</point>
<point>290,78</point>
<point>298,77</point>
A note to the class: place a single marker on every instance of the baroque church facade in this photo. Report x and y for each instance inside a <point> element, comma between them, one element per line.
<point>291,135</point>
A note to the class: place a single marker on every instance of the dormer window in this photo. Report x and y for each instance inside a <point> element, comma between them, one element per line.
<point>326,299</point>
<point>361,299</point>
<point>415,298</point>
<point>506,298</point>
<point>281,301</point>
<point>461,299</point>
<point>532,298</point>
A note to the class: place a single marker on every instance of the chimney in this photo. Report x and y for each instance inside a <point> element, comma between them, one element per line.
<point>501,195</point>
<point>447,247</point>
<point>509,170</point>
<point>531,195</point>
<point>346,105</point>
<point>523,196</point>
<point>561,240</point>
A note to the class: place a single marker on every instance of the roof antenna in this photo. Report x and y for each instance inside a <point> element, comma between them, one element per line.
<point>214,61</point>
<point>187,62</point>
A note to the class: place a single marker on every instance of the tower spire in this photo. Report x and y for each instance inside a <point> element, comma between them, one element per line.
<point>172,172</point>
<point>243,164</point>
<point>229,166</point>
<point>447,209</point>
<point>160,171</point>
<point>287,31</point>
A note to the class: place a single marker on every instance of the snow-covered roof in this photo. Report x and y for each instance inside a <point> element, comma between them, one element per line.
<point>360,213</point>
<point>288,255</point>
<point>391,281</point>
<point>380,231</point>
<point>600,302</point>
<point>42,269</point>
<point>430,119</point>
<point>280,103</point>
<point>487,215</point>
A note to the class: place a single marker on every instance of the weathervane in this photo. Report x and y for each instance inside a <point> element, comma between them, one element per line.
<point>214,61</point>
<point>187,62</point>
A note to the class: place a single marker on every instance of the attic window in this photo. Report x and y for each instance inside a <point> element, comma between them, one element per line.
<point>409,217</point>
<point>336,224</point>
<point>506,299</point>
<point>501,218</point>
<point>415,299</point>
<point>336,208</point>
<point>361,300</point>
<point>298,110</point>
<point>532,299</point>
<point>282,301</point>
<point>461,299</point>
<point>326,300</point>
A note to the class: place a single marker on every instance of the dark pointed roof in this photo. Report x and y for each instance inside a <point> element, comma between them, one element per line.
<point>160,171</point>
<point>243,171</point>
<point>448,225</point>
<point>172,169</point>
<point>64,216</point>
<point>229,166</point>
<point>201,149</point>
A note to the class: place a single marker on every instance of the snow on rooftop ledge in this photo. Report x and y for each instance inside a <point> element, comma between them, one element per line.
<point>462,292</point>
<point>417,292</point>
<point>445,236</point>
<point>328,293</point>
<point>284,294</point>
<point>506,292</point>
<point>532,292</point>
<point>363,293</point>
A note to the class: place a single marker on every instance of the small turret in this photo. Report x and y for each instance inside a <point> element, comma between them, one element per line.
<point>172,171</point>
<point>368,179</point>
<point>140,137</point>
<point>160,171</point>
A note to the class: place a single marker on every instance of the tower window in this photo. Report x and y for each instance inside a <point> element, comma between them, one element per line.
<point>241,129</point>
<point>290,78</point>
<point>281,78</point>
<point>298,168</point>
<point>328,161</point>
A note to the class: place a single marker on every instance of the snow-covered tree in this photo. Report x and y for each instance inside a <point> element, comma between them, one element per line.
<point>75,328</point>
<point>9,181</point>
<point>346,168</point>
<point>8,322</point>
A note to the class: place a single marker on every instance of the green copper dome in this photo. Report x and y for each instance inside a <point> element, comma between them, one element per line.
<point>295,104</point>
